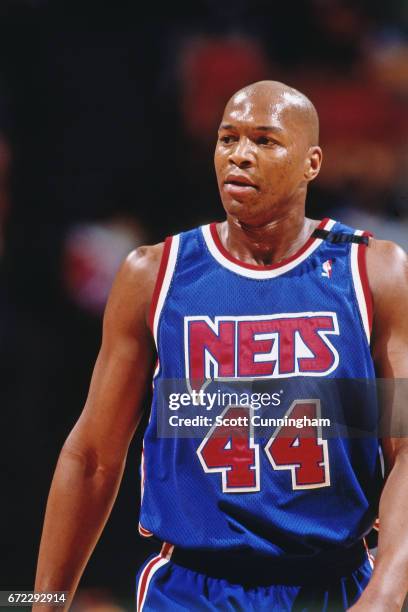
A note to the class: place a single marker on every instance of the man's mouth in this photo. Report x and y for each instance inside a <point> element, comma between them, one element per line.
<point>239,184</point>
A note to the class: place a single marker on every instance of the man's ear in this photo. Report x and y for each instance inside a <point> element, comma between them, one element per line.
<point>313,163</point>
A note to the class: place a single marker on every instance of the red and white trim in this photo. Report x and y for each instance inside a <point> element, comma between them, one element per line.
<point>164,276</point>
<point>143,532</point>
<point>361,286</point>
<point>142,469</point>
<point>156,371</point>
<point>166,270</point>
<point>371,557</point>
<point>220,253</point>
<point>148,572</point>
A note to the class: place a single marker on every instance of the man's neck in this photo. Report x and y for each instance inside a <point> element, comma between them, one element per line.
<point>269,243</point>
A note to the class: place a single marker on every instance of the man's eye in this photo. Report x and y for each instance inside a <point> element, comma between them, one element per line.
<point>226,139</point>
<point>264,140</point>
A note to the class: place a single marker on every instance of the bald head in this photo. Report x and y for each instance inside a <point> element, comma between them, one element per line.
<point>266,152</point>
<point>276,98</point>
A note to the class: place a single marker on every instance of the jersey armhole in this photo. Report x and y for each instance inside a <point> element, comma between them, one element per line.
<point>164,276</point>
<point>361,285</point>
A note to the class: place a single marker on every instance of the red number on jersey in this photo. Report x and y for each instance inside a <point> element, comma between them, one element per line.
<point>302,451</point>
<point>229,448</point>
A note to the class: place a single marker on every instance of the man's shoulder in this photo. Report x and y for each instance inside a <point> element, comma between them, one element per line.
<point>138,273</point>
<point>143,259</point>
<point>144,262</point>
<point>387,266</point>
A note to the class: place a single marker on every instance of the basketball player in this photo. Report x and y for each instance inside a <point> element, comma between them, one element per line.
<point>275,524</point>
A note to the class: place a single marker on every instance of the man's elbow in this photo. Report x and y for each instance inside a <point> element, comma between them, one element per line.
<point>91,462</point>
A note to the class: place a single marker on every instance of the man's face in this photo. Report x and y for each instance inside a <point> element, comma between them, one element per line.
<point>261,157</point>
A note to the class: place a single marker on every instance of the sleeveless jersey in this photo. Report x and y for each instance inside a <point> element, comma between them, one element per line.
<point>307,318</point>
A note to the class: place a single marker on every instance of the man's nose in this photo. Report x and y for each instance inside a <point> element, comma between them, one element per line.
<point>242,154</point>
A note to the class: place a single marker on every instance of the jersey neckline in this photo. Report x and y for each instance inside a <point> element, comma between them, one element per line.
<point>223,257</point>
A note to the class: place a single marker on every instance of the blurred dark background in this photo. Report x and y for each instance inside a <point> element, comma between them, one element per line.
<point>108,118</point>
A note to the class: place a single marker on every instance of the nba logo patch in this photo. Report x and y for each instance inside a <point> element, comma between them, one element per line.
<point>327,268</point>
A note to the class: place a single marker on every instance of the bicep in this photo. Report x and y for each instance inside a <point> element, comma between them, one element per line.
<point>389,279</point>
<point>124,365</point>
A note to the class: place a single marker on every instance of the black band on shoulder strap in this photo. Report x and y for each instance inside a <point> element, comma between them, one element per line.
<point>338,237</point>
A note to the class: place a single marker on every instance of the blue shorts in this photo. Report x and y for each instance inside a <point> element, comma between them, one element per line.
<point>163,585</point>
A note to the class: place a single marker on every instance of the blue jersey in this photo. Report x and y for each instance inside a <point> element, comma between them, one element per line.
<point>305,319</point>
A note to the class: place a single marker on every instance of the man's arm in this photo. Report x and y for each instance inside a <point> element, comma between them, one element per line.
<point>92,460</point>
<point>387,267</point>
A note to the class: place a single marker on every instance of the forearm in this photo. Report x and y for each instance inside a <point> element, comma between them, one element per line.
<point>389,583</point>
<point>80,501</point>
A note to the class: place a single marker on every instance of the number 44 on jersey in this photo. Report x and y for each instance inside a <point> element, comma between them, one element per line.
<point>232,451</point>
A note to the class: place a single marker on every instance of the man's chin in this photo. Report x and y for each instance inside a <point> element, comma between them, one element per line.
<point>246,205</point>
<point>244,212</point>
